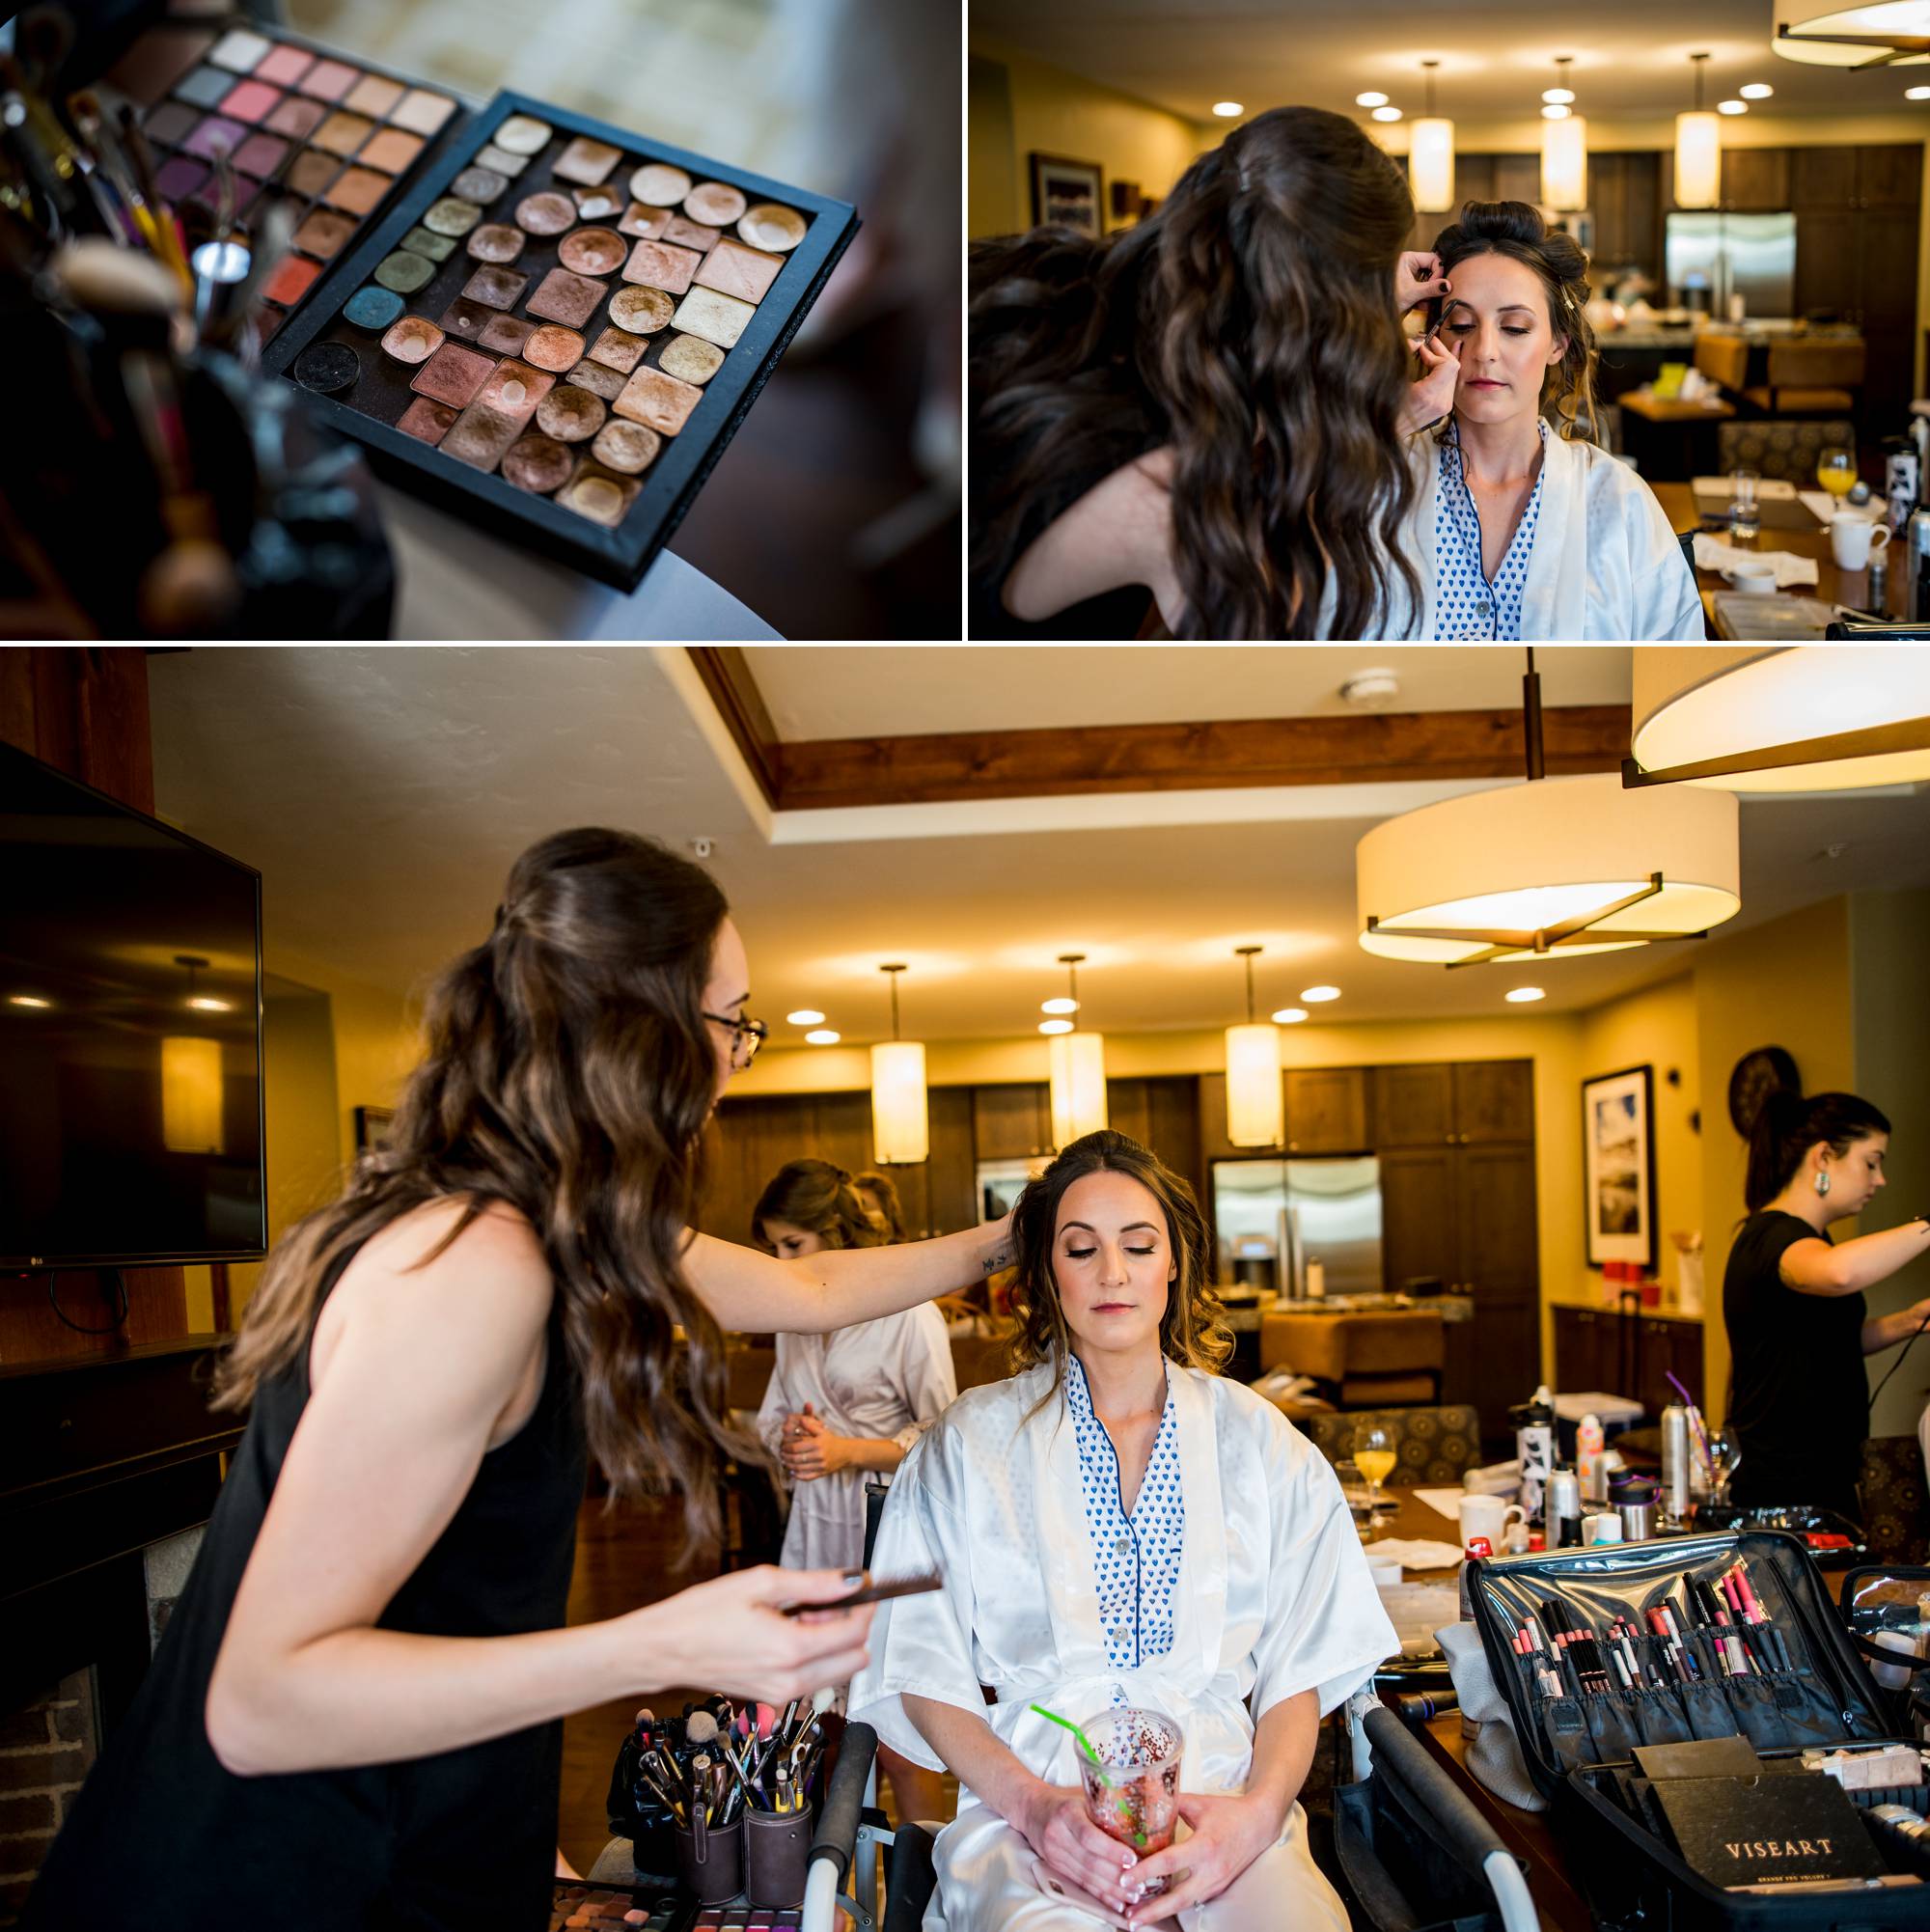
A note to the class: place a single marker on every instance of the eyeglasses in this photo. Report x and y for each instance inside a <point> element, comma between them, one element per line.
<point>746,1038</point>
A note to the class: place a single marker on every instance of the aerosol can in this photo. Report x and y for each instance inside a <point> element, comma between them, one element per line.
<point>1916,561</point>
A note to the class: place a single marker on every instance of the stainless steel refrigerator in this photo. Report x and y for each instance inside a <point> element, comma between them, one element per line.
<point>1708,258</point>
<point>1273,1217</point>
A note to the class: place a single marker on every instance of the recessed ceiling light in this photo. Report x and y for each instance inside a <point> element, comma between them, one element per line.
<point>1290,1016</point>
<point>201,1004</point>
<point>1313,995</point>
<point>1732,107</point>
<point>1371,101</point>
<point>1556,113</point>
<point>822,1037</point>
<point>27,1000</point>
<point>1756,89</point>
<point>1386,114</point>
<point>805,1016</point>
<point>1520,996</point>
<point>1055,1026</point>
<point>1558,97</point>
<point>1917,93</point>
<point>1226,110</point>
<point>1061,1005</point>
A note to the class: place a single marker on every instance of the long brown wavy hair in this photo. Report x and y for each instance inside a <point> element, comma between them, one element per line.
<point>568,1074</point>
<point>819,1199</point>
<point>1249,324</point>
<point>882,1190</point>
<point>1517,230</point>
<point>1193,1332</point>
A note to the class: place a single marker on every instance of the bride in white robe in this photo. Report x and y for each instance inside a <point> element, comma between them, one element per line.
<point>1048,1502</point>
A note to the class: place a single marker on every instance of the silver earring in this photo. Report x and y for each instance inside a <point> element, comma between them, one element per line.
<point>1822,1180</point>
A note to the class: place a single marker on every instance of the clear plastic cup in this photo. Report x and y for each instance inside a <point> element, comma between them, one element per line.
<point>1133,1794</point>
<point>1744,518</point>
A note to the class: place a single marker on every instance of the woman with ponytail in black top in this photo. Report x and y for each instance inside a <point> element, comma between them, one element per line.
<point>1793,1299</point>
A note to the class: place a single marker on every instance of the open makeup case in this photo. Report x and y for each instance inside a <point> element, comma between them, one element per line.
<point>1645,1643</point>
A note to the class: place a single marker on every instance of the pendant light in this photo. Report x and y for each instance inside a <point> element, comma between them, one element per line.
<point>1078,1070</point>
<point>1256,1102</point>
<point>1564,148</point>
<point>1698,152</point>
<point>900,1126</point>
<point>1553,865</point>
<point>1799,718</point>
<point>191,1096</point>
<point>1430,155</point>
<point>1890,34</point>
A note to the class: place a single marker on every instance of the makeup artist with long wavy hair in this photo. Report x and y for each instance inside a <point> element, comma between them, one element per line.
<point>1793,1299</point>
<point>353,1720</point>
<point>1206,413</point>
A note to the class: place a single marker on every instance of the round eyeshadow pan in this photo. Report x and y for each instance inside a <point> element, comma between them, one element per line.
<point>478,184</point>
<point>642,312</point>
<point>495,241</point>
<point>623,446</point>
<point>660,185</point>
<point>452,216</point>
<point>571,415</point>
<point>327,367</point>
<point>768,224</point>
<point>592,251</point>
<point>522,134</point>
<point>539,464</point>
<point>552,347</point>
<point>373,309</point>
<point>546,213</point>
<point>414,339</point>
<point>714,203</point>
<point>405,272</point>
<point>691,359</point>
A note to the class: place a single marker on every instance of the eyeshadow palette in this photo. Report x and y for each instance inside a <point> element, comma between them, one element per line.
<point>334,138</point>
<point>577,1902</point>
<point>561,326</point>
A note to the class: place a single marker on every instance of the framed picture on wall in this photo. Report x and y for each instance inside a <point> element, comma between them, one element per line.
<point>1618,1166</point>
<point>1067,194</point>
<point>371,1128</point>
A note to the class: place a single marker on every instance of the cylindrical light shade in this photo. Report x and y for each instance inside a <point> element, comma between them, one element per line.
<point>1698,159</point>
<point>1255,1102</point>
<point>1525,857</point>
<point>1430,164</point>
<point>1564,163</point>
<point>1694,703</point>
<point>900,1127</point>
<point>1078,1086</point>
<point>191,1120</point>
<point>1907,17</point>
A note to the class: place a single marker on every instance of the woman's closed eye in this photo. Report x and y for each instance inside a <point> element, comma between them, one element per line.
<point>1468,328</point>
<point>1087,1253</point>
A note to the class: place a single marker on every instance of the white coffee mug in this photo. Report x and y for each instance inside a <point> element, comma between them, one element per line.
<point>1604,1528</point>
<point>1851,539</point>
<point>1488,1516</point>
<point>1753,579</point>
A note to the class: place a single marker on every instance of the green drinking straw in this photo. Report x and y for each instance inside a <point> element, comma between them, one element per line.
<point>1085,1743</point>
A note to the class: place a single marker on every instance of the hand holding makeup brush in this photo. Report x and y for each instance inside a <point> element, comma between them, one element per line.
<point>1417,277</point>
<point>730,1631</point>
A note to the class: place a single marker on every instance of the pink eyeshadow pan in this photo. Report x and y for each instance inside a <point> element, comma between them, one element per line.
<point>251,100</point>
<point>260,156</point>
<point>285,66</point>
<point>215,134</point>
<point>329,80</point>
<point>297,118</point>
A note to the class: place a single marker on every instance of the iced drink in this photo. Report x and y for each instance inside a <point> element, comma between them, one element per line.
<point>1133,1793</point>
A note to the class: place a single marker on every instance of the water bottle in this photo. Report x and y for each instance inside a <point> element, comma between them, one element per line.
<point>1916,561</point>
<point>1535,1443</point>
<point>1675,1462</point>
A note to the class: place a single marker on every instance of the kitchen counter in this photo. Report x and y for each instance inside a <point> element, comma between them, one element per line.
<point>1580,1298</point>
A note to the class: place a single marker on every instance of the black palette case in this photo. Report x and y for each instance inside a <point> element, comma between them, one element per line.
<point>1809,1688</point>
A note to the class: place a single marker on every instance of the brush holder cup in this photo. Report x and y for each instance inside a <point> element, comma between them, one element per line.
<point>718,1874</point>
<point>777,1848</point>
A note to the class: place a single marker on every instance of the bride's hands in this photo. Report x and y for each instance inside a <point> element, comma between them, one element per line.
<point>1433,395</point>
<point>1229,1834</point>
<point>1417,277</point>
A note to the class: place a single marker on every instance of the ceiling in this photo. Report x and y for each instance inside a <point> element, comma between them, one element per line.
<point>1630,62</point>
<point>385,793</point>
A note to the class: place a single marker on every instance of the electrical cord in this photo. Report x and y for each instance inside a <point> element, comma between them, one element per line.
<point>1908,1344</point>
<point>118,1288</point>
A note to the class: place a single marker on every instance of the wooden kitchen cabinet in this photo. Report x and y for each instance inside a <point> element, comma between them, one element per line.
<point>1011,1122</point>
<point>1414,1106</point>
<point>1494,1101</point>
<point>1889,175</point>
<point>1823,177</point>
<point>1755,181</point>
<point>1628,1355</point>
<point>1327,1111</point>
<point>1214,1146</point>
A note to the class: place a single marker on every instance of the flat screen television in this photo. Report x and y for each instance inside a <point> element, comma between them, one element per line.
<point>130,1034</point>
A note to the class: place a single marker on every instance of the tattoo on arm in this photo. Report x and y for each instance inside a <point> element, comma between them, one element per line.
<point>1000,1258</point>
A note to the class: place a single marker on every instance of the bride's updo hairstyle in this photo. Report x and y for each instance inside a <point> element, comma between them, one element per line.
<point>1517,230</point>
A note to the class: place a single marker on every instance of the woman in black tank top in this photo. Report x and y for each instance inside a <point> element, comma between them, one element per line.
<point>354,1719</point>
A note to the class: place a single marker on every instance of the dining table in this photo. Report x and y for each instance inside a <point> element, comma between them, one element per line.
<point>1785,527</point>
<point>1526,1834</point>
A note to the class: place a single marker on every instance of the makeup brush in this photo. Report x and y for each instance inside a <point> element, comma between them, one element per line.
<point>820,1702</point>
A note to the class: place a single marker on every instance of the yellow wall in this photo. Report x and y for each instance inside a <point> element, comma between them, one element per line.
<point>1786,984</point>
<point>1046,110</point>
<point>1890,940</point>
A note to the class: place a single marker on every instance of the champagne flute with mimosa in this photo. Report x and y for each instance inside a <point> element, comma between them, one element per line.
<point>1374,1456</point>
<point>1836,471</point>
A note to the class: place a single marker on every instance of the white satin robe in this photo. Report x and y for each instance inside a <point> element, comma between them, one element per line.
<point>1274,1599</point>
<point>883,1380</point>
